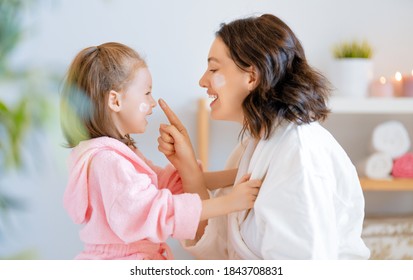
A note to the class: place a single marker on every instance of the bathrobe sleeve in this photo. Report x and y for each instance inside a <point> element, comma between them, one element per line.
<point>169,178</point>
<point>135,208</point>
<point>213,243</point>
<point>311,207</point>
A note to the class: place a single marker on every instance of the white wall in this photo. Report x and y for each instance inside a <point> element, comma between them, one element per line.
<point>175,36</point>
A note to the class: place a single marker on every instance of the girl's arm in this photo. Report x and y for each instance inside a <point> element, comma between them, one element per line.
<point>220,179</point>
<point>241,197</point>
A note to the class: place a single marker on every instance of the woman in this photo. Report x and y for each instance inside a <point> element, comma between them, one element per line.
<point>310,205</point>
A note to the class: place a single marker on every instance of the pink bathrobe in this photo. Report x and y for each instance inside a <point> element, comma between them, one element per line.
<point>128,206</point>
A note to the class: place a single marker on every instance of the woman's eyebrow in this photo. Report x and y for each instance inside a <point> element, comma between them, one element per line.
<point>212,59</point>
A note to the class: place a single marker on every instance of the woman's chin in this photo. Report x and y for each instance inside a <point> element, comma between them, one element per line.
<point>217,116</point>
<point>214,115</point>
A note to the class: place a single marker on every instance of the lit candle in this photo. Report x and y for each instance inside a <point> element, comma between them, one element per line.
<point>398,84</point>
<point>381,88</point>
<point>408,85</point>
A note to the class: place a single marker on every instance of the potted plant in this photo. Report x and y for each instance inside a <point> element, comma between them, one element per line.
<point>23,107</point>
<point>353,68</point>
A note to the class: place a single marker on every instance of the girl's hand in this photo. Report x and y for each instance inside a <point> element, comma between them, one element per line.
<point>244,194</point>
<point>174,141</point>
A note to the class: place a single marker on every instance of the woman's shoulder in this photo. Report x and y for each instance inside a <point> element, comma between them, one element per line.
<point>307,141</point>
<point>313,134</point>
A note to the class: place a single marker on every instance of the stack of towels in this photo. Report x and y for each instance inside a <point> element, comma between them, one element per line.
<point>390,155</point>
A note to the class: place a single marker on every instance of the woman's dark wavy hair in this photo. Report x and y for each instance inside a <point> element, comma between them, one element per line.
<point>288,87</point>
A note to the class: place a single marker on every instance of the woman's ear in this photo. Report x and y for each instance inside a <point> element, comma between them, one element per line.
<point>114,101</point>
<point>252,78</point>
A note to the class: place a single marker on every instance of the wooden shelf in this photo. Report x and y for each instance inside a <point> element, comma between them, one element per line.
<point>372,105</point>
<point>387,184</point>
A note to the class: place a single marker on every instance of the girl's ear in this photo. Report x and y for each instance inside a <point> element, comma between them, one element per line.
<point>114,101</point>
<point>252,78</point>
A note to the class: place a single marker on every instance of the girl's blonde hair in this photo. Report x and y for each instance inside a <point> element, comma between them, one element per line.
<point>94,72</point>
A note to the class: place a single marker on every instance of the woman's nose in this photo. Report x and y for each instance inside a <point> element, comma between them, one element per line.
<point>203,81</point>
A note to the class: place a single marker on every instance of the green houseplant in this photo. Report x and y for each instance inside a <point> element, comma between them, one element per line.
<point>352,68</point>
<point>13,121</point>
<point>353,49</point>
<point>23,106</point>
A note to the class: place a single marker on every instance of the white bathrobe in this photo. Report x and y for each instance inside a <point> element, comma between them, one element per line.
<point>310,205</point>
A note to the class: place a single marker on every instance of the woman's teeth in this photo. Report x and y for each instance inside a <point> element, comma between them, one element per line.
<point>213,96</point>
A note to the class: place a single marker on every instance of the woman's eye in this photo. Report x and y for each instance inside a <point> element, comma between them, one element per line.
<point>213,70</point>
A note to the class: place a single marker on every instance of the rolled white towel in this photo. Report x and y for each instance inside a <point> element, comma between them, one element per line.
<point>391,138</point>
<point>376,166</point>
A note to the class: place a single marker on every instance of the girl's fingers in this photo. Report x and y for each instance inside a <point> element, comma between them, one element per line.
<point>245,178</point>
<point>255,183</point>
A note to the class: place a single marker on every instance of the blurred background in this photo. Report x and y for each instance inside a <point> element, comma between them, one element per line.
<point>39,38</point>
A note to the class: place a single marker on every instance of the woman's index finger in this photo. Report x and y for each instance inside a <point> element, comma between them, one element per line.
<point>172,117</point>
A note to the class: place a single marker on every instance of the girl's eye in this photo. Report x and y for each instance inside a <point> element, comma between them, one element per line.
<point>148,93</point>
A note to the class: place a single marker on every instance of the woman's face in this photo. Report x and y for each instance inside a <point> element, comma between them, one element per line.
<point>136,103</point>
<point>226,83</point>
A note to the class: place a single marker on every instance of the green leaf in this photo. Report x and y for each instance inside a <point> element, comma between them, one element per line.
<point>354,49</point>
<point>3,108</point>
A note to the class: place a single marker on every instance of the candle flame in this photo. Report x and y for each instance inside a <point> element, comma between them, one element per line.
<point>382,80</point>
<point>398,76</point>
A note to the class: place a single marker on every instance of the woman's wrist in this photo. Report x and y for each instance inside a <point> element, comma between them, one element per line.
<point>193,182</point>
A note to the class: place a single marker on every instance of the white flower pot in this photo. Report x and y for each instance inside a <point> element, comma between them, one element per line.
<point>351,77</point>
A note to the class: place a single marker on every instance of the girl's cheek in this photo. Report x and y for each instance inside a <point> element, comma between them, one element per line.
<point>218,81</point>
<point>143,107</point>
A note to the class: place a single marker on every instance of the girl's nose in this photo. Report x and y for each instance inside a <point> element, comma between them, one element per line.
<point>153,102</point>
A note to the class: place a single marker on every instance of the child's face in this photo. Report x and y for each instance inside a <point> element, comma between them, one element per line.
<point>225,81</point>
<point>136,103</point>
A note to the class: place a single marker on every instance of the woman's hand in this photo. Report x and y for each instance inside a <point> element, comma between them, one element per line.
<point>174,141</point>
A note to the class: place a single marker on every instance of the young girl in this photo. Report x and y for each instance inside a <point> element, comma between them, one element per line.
<point>128,206</point>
